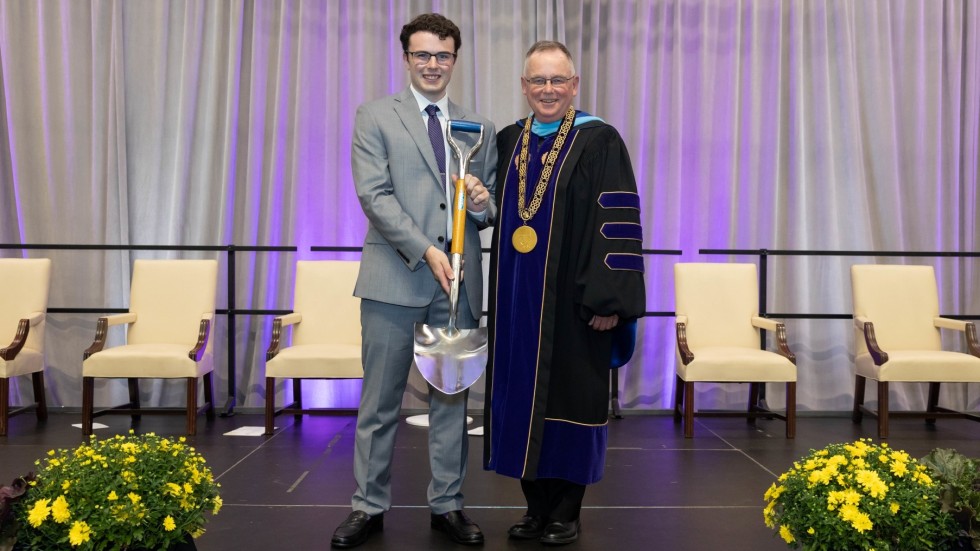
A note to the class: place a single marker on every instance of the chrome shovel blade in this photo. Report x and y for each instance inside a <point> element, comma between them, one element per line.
<point>450,360</point>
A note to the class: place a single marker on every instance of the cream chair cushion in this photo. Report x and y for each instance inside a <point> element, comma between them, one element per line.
<point>719,301</point>
<point>903,302</point>
<point>327,342</point>
<point>169,299</point>
<point>25,283</point>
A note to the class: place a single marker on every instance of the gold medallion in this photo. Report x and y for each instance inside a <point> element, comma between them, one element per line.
<point>524,239</point>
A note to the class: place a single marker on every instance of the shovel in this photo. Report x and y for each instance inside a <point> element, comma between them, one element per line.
<point>452,359</point>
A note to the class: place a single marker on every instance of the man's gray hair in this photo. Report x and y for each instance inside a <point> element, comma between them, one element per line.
<point>546,46</point>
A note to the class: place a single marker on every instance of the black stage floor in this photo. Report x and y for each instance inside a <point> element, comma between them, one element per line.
<point>660,491</point>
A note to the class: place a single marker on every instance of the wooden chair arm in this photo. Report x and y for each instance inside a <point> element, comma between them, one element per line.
<point>203,333</point>
<point>101,332</point>
<point>278,324</point>
<point>782,345</point>
<point>685,353</point>
<point>877,354</point>
<point>10,351</point>
<point>971,339</point>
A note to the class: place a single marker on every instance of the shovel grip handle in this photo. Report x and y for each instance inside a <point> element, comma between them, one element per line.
<point>464,126</point>
<point>459,217</point>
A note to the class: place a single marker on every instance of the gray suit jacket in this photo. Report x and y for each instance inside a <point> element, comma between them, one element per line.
<point>398,185</point>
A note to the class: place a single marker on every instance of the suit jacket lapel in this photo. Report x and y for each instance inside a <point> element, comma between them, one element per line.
<point>407,110</point>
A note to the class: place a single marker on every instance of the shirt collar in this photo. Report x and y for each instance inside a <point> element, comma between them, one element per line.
<point>442,104</point>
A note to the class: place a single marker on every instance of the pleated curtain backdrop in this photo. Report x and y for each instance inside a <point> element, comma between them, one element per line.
<point>833,125</point>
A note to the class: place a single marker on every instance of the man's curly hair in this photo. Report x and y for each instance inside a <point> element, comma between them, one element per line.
<point>433,23</point>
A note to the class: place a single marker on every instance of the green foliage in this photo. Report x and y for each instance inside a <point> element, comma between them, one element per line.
<point>959,477</point>
<point>858,496</point>
<point>136,491</point>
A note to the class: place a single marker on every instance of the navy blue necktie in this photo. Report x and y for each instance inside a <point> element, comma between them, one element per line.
<point>435,136</point>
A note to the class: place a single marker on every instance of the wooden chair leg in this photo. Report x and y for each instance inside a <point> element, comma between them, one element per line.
<point>791,410</point>
<point>88,397</point>
<point>4,404</point>
<point>617,412</point>
<point>754,405</point>
<point>191,406</point>
<point>298,398</point>
<point>688,409</point>
<point>270,404</point>
<point>859,386</point>
<point>134,396</point>
<point>41,408</point>
<point>209,395</point>
<point>882,410</point>
<point>933,402</point>
<point>678,398</point>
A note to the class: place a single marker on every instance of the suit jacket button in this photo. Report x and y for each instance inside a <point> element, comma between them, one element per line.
<point>441,239</point>
<point>442,206</point>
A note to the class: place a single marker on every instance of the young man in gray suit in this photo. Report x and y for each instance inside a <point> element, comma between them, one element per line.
<point>403,174</point>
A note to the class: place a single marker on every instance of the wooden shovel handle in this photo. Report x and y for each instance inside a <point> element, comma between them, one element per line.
<point>459,217</point>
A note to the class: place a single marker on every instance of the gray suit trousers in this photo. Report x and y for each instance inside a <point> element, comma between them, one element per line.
<point>388,352</point>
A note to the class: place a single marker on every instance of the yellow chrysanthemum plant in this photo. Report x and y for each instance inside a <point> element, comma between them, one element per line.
<point>859,496</point>
<point>124,492</point>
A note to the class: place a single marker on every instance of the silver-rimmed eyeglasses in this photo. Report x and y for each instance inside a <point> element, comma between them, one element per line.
<point>540,82</point>
<point>442,58</point>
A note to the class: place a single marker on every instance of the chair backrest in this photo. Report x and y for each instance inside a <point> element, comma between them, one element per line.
<point>169,298</point>
<point>901,301</point>
<point>24,284</point>
<point>719,301</point>
<point>324,295</point>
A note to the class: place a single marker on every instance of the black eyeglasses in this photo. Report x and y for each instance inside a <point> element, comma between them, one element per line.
<point>442,58</point>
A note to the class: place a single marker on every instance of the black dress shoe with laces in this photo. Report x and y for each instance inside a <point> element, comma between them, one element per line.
<point>356,529</point>
<point>459,527</point>
<point>528,528</point>
<point>560,533</point>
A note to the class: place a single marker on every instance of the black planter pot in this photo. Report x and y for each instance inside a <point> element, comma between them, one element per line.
<point>186,545</point>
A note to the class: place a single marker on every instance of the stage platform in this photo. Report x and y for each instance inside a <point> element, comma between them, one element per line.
<point>661,491</point>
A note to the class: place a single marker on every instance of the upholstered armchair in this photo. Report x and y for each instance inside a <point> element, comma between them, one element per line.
<point>171,312</point>
<point>897,339</point>
<point>23,301</point>
<point>326,334</point>
<point>718,340</point>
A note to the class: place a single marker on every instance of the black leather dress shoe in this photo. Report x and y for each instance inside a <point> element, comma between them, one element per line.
<point>528,528</point>
<point>459,527</point>
<point>560,533</point>
<point>356,529</point>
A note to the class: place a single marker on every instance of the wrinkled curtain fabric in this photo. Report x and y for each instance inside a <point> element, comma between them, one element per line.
<point>831,125</point>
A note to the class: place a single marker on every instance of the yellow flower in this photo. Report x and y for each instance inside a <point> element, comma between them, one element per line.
<point>65,485</point>
<point>169,524</point>
<point>39,513</point>
<point>112,496</point>
<point>218,502</point>
<point>811,531</point>
<point>79,533</point>
<point>59,510</point>
<point>894,507</point>
<point>860,521</point>
<point>786,534</point>
<point>871,483</point>
<point>135,498</point>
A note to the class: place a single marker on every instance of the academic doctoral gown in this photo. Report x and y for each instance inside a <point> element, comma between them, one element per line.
<point>548,371</point>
